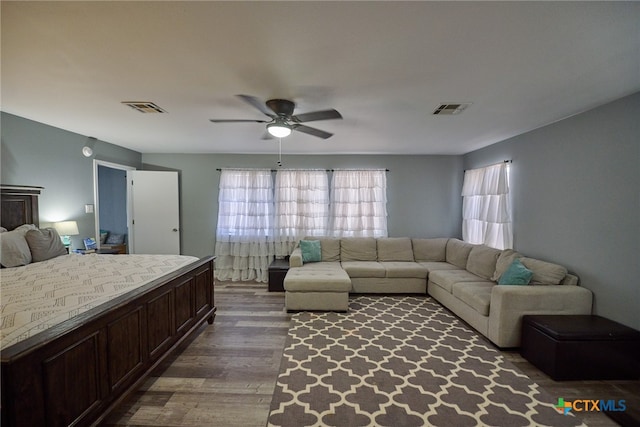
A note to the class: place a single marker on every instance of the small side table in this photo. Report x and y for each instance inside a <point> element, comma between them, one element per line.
<point>277,270</point>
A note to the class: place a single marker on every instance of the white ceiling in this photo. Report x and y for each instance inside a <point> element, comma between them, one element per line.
<point>384,65</point>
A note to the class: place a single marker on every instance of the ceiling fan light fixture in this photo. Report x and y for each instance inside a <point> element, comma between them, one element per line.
<point>279,130</point>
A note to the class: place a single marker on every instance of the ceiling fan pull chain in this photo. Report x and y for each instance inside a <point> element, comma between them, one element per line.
<point>280,152</point>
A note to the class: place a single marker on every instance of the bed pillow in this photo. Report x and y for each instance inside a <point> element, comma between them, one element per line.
<point>14,250</point>
<point>311,251</point>
<point>45,244</point>
<point>516,274</point>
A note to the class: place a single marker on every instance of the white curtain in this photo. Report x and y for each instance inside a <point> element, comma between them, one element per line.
<point>301,207</point>
<point>244,234</point>
<point>486,214</point>
<point>358,203</point>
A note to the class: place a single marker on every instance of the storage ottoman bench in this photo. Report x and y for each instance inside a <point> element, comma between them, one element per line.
<point>581,347</point>
<point>317,286</point>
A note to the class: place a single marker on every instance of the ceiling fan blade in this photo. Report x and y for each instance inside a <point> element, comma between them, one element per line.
<point>256,103</point>
<point>312,131</point>
<point>237,121</point>
<point>317,115</point>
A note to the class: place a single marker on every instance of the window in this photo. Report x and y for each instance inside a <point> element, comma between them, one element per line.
<point>244,234</point>
<point>486,214</point>
<point>358,203</point>
<point>257,222</point>
<point>301,207</point>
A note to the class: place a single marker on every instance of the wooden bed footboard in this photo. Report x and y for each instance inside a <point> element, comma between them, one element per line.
<point>78,371</point>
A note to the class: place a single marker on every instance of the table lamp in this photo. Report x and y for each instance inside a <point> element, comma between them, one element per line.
<point>66,229</point>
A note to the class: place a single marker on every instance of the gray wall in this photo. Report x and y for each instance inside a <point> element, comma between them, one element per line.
<point>35,154</point>
<point>576,200</point>
<point>575,186</point>
<point>423,192</point>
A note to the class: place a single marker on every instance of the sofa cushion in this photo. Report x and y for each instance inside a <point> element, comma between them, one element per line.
<point>395,249</point>
<point>504,261</point>
<point>476,295</point>
<point>358,249</point>
<point>482,261</point>
<point>430,249</point>
<point>404,269</point>
<point>458,252</point>
<point>516,274</point>
<point>311,251</point>
<point>435,265</point>
<point>364,269</point>
<point>544,273</point>
<point>322,276</point>
<point>330,249</point>
<point>446,278</point>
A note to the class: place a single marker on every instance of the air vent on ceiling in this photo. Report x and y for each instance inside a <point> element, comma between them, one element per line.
<point>450,109</point>
<point>144,107</point>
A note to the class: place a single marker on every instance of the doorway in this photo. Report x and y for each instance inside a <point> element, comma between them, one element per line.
<point>112,204</point>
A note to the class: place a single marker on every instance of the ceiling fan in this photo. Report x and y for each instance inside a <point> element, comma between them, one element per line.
<point>282,120</point>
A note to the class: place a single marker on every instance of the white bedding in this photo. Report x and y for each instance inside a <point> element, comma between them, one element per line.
<point>40,295</point>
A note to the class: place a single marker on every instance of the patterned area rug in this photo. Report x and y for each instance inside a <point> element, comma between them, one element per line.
<point>401,361</point>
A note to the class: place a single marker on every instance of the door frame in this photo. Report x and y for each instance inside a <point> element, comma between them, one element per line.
<point>96,194</point>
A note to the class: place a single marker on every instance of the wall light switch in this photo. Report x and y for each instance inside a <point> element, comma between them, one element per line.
<point>88,208</point>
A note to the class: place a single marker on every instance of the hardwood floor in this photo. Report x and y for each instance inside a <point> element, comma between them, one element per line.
<point>226,375</point>
<point>579,390</point>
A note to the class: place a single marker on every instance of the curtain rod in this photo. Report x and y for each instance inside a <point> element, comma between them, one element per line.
<point>493,164</point>
<point>326,170</point>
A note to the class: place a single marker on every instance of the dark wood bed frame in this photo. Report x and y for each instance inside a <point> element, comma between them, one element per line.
<point>78,371</point>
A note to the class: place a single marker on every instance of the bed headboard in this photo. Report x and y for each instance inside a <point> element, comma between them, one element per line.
<point>19,205</point>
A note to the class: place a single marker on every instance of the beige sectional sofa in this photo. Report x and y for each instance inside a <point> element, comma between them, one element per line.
<point>461,276</point>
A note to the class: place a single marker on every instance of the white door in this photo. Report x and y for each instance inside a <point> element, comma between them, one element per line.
<point>155,217</point>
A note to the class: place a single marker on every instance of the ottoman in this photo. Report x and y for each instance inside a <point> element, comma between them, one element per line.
<point>581,347</point>
<point>322,286</point>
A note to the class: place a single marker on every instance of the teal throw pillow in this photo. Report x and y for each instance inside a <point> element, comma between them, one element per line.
<point>311,251</point>
<point>516,274</point>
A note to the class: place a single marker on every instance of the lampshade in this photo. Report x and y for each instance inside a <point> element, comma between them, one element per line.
<point>278,129</point>
<point>67,228</point>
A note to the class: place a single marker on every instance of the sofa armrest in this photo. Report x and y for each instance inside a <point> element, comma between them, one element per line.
<point>510,303</point>
<point>295,259</point>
